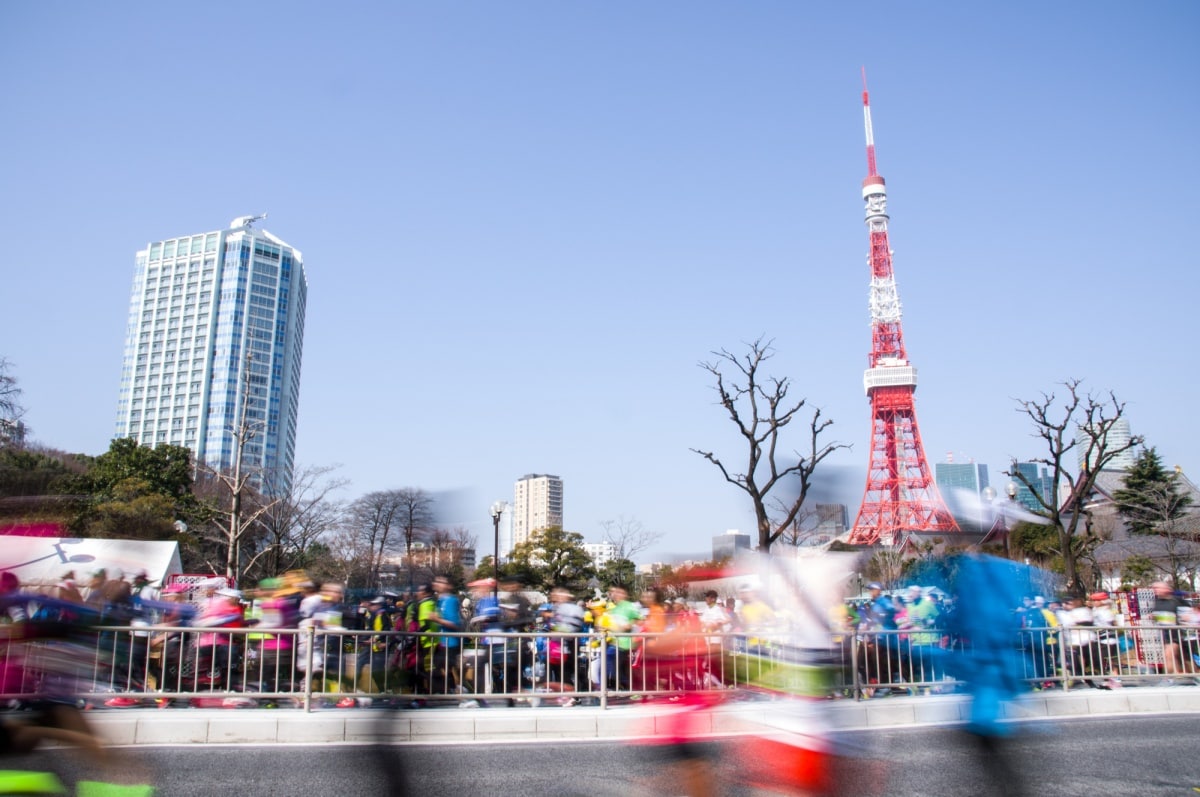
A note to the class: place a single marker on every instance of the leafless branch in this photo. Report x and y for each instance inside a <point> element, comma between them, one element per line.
<point>760,409</point>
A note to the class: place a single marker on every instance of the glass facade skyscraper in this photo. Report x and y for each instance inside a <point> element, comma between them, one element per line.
<point>1038,477</point>
<point>1118,436</point>
<point>213,345</point>
<point>961,476</point>
<point>958,479</point>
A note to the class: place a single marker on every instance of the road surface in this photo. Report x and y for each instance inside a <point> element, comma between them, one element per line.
<point>1115,756</point>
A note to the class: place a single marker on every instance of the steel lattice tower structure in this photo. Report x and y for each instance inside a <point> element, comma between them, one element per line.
<point>901,495</point>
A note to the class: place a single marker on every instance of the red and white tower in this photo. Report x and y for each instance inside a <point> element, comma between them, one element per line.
<point>901,495</point>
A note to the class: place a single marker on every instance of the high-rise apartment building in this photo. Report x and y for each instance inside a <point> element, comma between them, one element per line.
<point>537,504</point>
<point>213,345</point>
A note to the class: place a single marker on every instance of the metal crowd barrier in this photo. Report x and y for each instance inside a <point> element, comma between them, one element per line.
<point>316,668</point>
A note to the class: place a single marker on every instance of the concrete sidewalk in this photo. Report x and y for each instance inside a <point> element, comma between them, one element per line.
<point>137,726</point>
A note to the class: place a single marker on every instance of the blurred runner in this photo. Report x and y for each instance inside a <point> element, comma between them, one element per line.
<point>987,591</point>
<point>40,664</point>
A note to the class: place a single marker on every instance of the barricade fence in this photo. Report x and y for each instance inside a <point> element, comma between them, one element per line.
<point>314,668</point>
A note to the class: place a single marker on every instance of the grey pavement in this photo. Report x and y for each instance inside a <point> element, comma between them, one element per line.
<point>143,726</point>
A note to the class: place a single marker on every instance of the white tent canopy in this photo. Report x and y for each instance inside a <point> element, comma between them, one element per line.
<point>39,561</point>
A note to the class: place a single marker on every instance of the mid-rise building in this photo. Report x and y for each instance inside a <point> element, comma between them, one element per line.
<point>537,504</point>
<point>600,552</point>
<point>832,522</point>
<point>726,546</point>
<point>213,349</point>
<point>434,558</point>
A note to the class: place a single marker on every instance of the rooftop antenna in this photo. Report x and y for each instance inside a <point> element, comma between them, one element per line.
<point>246,221</point>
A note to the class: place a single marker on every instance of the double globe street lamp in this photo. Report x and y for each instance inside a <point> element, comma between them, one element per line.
<point>1000,513</point>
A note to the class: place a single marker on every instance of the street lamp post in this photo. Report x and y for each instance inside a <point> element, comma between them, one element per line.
<point>988,514</point>
<point>1000,515</point>
<point>1011,490</point>
<point>497,510</point>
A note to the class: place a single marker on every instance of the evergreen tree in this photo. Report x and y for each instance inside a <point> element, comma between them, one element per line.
<point>551,556</point>
<point>1152,497</point>
<point>137,492</point>
<point>617,571</point>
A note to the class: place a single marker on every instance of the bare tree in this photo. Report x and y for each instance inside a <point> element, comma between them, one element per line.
<point>12,431</point>
<point>347,559</point>
<point>803,527</point>
<point>239,482</point>
<point>303,515</point>
<point>1083,425</point>
<point>759,408</point>
<point>374,518</point>
<point>628,536</point>
<point>446,548</point>
<point>886,565</point>
<point>416,517</point>
<point>463,538</point>
<point>10,393</point>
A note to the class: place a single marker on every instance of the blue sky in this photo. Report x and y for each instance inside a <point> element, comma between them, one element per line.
<point>525,223</point>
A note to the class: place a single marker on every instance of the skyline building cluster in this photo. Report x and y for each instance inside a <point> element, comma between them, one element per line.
<point>212,362</point>
<point>213,348</point>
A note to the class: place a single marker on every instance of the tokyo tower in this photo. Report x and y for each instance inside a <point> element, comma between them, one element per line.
<point>901,496</point>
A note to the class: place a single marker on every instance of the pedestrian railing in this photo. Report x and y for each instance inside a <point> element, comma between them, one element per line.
<point>315,668</point>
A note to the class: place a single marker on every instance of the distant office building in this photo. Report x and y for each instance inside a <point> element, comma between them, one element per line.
<point>952,476</point>
<point>832,521</point>
<point>436,558</point>
<point>726,546</point>
<point>961,485</point>
<point>601,552</point>
<point>1039,478</point>
<point>537,504</point>
<point>1118,435</point>
<point>467,557</point>
<point>213,343</point>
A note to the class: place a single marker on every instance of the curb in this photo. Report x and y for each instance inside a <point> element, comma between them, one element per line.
<point>140,726</point>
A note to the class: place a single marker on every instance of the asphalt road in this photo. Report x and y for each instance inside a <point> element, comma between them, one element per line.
<point>1112,757</point>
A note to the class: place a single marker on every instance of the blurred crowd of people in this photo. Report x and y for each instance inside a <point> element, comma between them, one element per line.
<point>124,641</point>
<point>487,641</point>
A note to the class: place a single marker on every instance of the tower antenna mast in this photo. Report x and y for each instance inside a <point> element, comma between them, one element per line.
<point>871,172</point>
